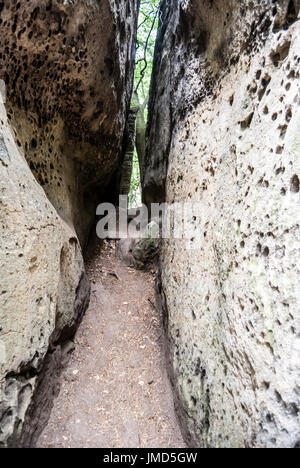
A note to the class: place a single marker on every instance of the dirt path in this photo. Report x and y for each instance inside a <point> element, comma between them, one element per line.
<point>115,392</point>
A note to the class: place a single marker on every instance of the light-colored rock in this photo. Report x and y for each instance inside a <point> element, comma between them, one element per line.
<point>224,127</point>
<point>43,283</point>
<point>68,69</point>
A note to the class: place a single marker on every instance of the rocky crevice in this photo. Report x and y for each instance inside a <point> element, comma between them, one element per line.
<point>222,132</point>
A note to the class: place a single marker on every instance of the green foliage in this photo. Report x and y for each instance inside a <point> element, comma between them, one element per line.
<point>146,37</point>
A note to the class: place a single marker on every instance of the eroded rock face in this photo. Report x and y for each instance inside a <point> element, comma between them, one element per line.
<point>224,132</point>
<point>142,251</point>
<point>68,69</point>
<point>44,290</point>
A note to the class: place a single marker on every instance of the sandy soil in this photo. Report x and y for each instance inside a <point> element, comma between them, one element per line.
<point>115,392</point>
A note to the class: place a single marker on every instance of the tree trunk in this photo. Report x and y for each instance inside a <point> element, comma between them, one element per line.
<point>127,163</point>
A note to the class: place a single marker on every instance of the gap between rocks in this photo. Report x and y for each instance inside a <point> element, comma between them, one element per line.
<point>115,391</point>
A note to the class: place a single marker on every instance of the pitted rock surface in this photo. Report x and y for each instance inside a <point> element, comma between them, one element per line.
<point>224,133</point>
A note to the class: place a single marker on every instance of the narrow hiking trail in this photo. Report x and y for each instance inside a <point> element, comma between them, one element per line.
<point>115,392</point>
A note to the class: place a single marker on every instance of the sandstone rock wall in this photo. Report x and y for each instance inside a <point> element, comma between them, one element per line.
<point>224,132</point>
<point>68,69</point>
